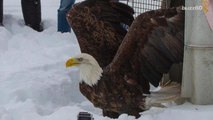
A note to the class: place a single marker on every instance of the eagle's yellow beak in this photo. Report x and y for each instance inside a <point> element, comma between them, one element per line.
<point>71,62</point>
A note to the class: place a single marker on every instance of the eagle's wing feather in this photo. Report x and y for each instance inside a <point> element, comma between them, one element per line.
<point>155,38</point>
<point>98,27</point>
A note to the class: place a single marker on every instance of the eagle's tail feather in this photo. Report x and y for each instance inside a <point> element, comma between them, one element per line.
<point>168,93</point>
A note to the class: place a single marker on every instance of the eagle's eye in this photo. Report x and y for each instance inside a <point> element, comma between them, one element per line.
<point>80,59</point>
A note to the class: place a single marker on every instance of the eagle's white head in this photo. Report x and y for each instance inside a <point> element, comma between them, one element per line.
<point>90,71</point>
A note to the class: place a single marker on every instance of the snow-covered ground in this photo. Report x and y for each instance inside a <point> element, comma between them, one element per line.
<point>34,83</point>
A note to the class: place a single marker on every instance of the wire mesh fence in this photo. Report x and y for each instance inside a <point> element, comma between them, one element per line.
<point>141,6</point>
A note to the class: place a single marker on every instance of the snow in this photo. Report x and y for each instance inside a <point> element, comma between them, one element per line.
<point>34,83</point>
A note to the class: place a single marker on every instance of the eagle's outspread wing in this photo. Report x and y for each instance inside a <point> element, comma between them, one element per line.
<point>153,43</point>
<point>98,25</point>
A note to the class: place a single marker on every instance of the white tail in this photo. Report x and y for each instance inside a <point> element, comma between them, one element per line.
<point>168,93</point>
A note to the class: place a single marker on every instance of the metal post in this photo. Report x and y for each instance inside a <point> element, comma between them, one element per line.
<point>1,12</point>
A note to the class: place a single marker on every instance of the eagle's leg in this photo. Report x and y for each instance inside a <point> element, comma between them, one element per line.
<point>110,114</point>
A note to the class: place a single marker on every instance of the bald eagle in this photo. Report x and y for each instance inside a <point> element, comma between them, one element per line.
<point>117,64</point>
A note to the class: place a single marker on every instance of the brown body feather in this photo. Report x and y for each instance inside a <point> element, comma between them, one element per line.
<point>131,60</point>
